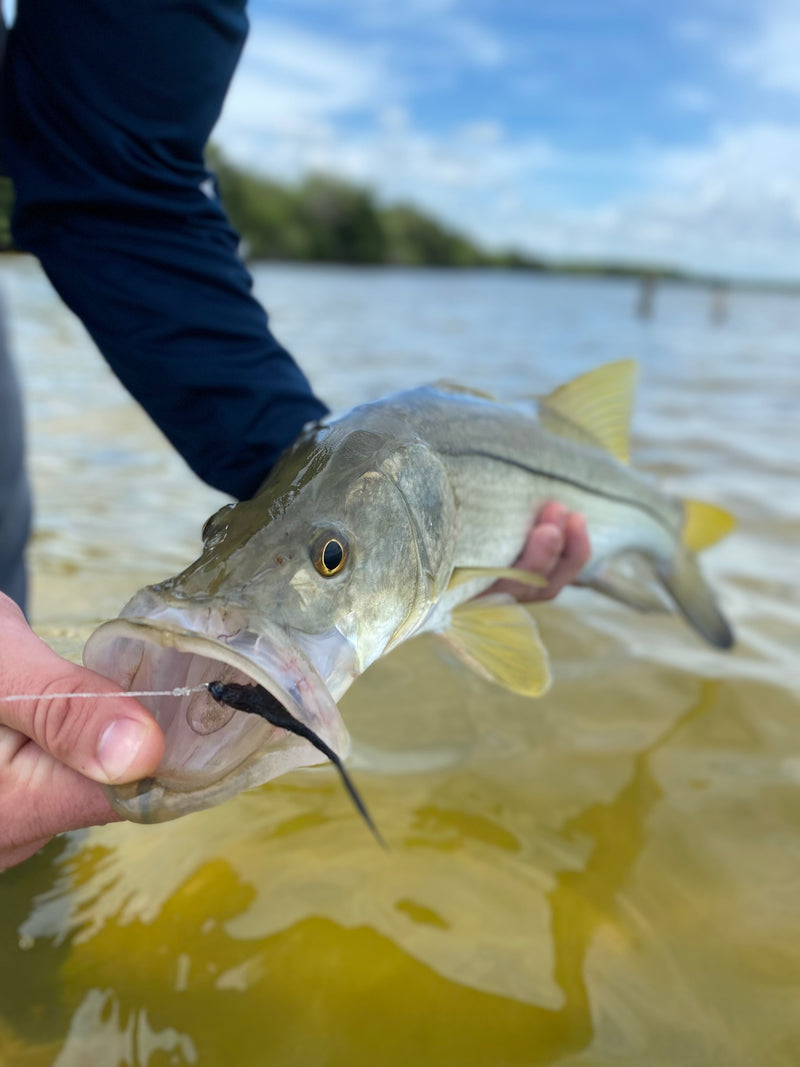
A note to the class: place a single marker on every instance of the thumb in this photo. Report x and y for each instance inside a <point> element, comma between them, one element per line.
<point>107,740</point>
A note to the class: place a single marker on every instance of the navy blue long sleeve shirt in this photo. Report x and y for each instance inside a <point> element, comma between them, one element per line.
<point>106,110</point>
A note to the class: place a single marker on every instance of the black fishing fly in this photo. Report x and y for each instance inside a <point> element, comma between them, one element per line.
<point>256,700</point>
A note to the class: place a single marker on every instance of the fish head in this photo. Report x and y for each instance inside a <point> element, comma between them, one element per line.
<point>336,559</point>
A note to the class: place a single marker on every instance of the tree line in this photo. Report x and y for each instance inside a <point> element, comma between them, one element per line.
<point>327,219</point>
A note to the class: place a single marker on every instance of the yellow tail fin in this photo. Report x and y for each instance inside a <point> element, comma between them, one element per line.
<point>705,524</point>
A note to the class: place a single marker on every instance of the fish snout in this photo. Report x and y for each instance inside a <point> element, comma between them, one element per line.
<point>172,651</point>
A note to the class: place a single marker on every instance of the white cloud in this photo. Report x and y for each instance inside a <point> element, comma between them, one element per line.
<point>770,55</point>
<point>763,47</point>
<point>730,206</point>
<point>439,23</point>
<point>292,108</point>
<point>304,101</point>
<point>288,76</point>
<point>475,43</point>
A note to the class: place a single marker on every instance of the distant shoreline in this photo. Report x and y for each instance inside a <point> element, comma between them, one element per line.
<point>591,272</point>
<point>326,220</point>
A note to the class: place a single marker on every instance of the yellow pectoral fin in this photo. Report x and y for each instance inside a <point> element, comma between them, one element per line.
<point>705,524</point>
<point>515,574</point>
<point>499,639</point>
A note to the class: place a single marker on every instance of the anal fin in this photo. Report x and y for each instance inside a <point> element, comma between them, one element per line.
<point>461,575</point>
<point>626,581</point>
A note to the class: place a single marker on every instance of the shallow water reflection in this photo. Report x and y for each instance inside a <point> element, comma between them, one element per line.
<point>607,876</point>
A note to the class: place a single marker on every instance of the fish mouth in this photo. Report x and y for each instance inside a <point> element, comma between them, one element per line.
<point>212,751</point>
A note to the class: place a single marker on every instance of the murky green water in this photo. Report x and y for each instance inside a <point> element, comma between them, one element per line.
<point>607,876</point>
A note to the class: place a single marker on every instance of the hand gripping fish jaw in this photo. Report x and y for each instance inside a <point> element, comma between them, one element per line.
<point>215,748</point>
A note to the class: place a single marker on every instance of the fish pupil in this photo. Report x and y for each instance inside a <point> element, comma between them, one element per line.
<point>329,552</point>
<point>332,556</point>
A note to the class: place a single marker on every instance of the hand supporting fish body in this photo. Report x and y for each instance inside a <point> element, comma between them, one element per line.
<point>375,526</point>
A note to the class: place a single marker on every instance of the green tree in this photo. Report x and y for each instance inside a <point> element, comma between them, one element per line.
<point>342,220</point>
<point>415,239</point>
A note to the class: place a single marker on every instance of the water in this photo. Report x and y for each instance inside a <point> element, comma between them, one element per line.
<point>607,876</point>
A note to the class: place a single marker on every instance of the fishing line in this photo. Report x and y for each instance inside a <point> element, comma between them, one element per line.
<point>253,699</point>
<point>179,691</point>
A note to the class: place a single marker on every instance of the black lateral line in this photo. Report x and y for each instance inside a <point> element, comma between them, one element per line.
<point>617,498</point>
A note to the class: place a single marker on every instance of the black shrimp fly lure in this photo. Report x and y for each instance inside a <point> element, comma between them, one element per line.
<point>256,700</point>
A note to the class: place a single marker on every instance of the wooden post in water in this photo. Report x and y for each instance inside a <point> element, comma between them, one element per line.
<point>719,303</point>
<point>647,293</point>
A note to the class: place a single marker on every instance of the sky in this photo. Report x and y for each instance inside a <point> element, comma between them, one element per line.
<point>630,130</point>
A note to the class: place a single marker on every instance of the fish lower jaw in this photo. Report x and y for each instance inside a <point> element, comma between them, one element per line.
<point>211,751</point>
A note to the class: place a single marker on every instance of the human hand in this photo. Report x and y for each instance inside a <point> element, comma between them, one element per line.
<point>54,752</point>
<point>558,548</point>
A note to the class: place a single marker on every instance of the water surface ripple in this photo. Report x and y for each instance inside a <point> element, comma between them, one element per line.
<point>605,877</point>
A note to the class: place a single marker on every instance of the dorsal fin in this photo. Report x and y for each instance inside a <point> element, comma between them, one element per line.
<point>444,385</point>
<point>595,407</point>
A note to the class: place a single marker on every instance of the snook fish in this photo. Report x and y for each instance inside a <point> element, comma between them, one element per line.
<point>375,526</point>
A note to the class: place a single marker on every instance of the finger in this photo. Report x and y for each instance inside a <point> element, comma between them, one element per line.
<point>41,797</point>
<point>545,541</point>
<point>552,513</point>
<point>540,553</point>
<point>14,854</point>
<point>576,553</point>
<point>104,739</point>
<point>557,547</point>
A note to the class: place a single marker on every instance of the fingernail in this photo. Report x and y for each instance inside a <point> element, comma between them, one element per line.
<point>119,746</point>
<point>559,517</point>
<point>552,540</point>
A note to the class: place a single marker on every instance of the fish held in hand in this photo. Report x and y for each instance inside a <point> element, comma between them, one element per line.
<point>375,526</point>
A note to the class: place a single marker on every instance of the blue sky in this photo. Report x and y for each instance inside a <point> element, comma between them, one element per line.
<point>627,129</point>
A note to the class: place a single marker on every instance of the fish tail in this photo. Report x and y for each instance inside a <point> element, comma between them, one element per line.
<point>704,525</point>
<point>687,587</point>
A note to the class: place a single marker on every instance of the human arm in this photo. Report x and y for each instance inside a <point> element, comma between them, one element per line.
<point>106,111</point>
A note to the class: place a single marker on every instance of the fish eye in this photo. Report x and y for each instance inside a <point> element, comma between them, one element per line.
<point>329,553</point>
